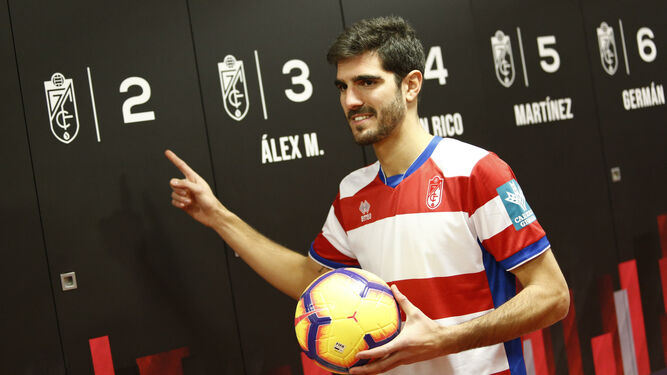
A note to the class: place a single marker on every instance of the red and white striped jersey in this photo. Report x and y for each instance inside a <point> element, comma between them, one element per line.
<point>446,233</point>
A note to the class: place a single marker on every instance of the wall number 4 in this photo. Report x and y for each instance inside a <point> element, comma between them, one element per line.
<point>434,68</point>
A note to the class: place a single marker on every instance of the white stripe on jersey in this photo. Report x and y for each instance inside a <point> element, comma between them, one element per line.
<point>358,179</point>
<point>377,246</point>
<point>491,219</point>
<point>487,360</point>
<point>335,234</point>
<point>456,158</point>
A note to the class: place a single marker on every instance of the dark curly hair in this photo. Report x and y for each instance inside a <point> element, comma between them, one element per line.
<point>392,38</point>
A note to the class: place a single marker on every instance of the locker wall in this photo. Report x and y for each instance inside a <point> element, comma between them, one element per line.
<point>95,92</point>
<point>30,336</point>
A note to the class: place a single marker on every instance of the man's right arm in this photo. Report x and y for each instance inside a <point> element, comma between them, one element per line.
<point>287,270</point>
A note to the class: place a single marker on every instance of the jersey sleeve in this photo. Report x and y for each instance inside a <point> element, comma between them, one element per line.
<point>330,248</point>
<point>505,224</point>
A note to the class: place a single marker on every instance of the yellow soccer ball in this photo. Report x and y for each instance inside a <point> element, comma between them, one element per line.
<point>343,312</point>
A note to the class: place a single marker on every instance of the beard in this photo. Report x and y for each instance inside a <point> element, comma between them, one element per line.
<point>387,120</point>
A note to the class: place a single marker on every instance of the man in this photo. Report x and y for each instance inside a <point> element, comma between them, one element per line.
<point>444,221</point>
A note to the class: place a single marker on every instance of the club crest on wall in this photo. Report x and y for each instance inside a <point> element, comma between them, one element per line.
<point>234,87</point>
<point>501,46</point>
<point>61,104</point>
<point>607,44</point>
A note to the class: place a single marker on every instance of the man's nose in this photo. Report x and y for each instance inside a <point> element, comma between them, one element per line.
<point>351,100</point>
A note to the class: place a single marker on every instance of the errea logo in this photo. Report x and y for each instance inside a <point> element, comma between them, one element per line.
<point>516,205</point>
<point>365,209</point>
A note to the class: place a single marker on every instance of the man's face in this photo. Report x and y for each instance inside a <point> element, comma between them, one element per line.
<point>372,102</point>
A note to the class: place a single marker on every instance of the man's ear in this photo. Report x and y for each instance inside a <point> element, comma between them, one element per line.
<point>412,84</point>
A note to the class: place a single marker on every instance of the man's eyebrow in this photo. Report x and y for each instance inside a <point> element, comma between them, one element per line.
<point>364,77</point>
<point>338,82</point>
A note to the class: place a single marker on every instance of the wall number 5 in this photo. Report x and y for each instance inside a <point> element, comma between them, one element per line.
<point>128,115</point>
<point>548,52</point>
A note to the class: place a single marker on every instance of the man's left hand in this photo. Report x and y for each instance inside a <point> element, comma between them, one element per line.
<point>420,339</point>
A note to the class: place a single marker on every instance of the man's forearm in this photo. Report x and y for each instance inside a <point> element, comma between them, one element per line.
<point>518,316</point>
<point>285,269</point>
<point>543,301</point>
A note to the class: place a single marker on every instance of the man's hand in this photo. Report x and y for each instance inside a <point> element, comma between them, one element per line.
<point>420,339</point>
<point>192,194</point>
<point>543,301</point>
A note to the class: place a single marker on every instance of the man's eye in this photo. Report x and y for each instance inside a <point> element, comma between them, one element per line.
<point>367,82</point>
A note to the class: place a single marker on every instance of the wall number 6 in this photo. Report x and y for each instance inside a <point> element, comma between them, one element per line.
<point>647,49</point>
<point>128,115</point>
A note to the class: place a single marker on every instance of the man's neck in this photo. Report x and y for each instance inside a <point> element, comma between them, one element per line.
<point>398,151</point>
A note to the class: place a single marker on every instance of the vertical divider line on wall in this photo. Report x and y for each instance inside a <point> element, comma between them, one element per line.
<point>34,178</point>
<point>342,13</point>
<point>215,184</point>
<point>342,20</point>
<point>605,160</point>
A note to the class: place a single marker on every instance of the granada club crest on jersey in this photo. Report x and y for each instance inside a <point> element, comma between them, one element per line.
<point>434,193</point>
<point>607,44</point>
<point>61,104</point>
<point>234,88</point>
<point>502,58</point>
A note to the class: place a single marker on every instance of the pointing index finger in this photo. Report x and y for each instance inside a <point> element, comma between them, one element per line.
<point>181,165</point>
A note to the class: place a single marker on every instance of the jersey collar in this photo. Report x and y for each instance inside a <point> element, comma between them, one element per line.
<point>393,181</point>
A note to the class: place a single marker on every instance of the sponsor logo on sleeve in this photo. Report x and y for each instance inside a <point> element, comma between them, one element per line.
<point>516,205</point>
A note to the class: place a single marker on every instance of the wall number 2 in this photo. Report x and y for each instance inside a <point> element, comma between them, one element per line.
<point>143,97</point>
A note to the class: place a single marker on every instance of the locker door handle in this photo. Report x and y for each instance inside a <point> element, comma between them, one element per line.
<point>68,281</point>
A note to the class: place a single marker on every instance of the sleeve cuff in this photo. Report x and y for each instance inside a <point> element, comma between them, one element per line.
<point>526,254</point>
<point>329,263</point>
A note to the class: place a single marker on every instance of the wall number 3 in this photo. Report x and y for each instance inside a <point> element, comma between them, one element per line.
<point>143,97</point>
<point>301,80</point>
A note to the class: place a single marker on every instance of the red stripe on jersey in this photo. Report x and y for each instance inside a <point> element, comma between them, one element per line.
<point>326,250</point>
<point>498,244</point>
<point>408,197</point>
<point>443,297</point>
<point>506,372</point>
<point>488,175</point>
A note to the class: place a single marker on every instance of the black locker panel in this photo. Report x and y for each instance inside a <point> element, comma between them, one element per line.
<point>558,161</point>
<point>543,121</point>
<point>108,86</point>
<point>268,96</point>
<point>30,337</point>
<point>627,42</point>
